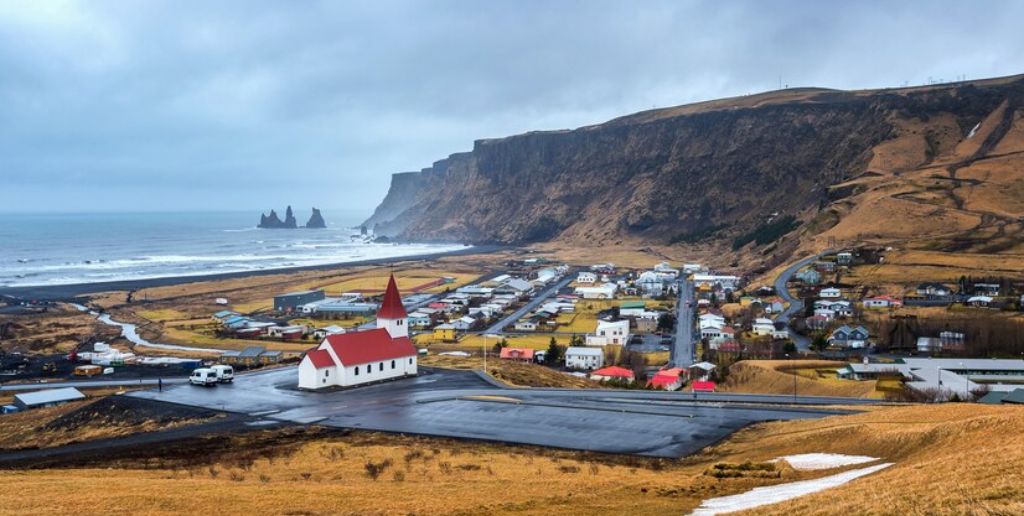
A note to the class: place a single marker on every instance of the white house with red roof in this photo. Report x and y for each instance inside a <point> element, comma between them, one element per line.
<point>355,358</point>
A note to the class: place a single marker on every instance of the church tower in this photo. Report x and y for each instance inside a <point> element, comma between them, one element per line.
<point>392,316</point>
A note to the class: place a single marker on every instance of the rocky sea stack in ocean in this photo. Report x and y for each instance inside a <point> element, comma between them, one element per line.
<point>272,221</point>
<point>316,220</point>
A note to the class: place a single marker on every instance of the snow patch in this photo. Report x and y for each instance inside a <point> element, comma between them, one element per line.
<point>973,130</point>
<point>774,494</point>
<point>810,461</point>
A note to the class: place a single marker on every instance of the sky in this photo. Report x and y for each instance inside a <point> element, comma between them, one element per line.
<point>182,105</point>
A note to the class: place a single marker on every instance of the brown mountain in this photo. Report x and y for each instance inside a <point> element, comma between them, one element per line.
<point>940,162</point>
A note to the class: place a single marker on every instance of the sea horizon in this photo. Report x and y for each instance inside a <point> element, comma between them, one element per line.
<point>42,249</point>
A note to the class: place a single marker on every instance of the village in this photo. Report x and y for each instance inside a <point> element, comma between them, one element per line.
<point>618,327</point>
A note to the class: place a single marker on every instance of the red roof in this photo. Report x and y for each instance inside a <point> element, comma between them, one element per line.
<point>517,353</point>
<point>363,347</point>
<point>614,371</point>
<point>392,307</point>
<point>320,358</point>
<point>726,329</point>
<point>662,379</point>
<point>702,386</point>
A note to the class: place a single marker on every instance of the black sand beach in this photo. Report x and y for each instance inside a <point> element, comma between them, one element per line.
<point>69,292</point>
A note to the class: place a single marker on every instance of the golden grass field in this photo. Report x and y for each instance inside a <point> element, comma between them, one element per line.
<point>511,373</point>
<point>949,459</point>
<point>776,377</point>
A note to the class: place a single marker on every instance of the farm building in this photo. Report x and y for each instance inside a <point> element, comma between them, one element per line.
<point>291,301</point>
<point>47,398</point>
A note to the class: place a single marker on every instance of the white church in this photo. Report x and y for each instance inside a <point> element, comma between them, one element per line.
<point>355,358</point>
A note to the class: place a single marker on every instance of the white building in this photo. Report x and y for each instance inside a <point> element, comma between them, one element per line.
<point>610,332</point>
<point>355,358</point>
<point>577,357</point>
<point>605,291</point>
<point>726,282</point>
<point>762,326</point>
<point>830,293</point>
<point>586,278</point>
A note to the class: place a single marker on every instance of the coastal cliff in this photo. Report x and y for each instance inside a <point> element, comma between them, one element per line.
<point>719,171</point>
<point>316,220</point>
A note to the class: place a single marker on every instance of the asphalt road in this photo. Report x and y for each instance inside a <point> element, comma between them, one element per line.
<point>499,326</point>
<point>81,384</point>
<point>461,404</point>
<point>796,305</point>
<point>683,349</point>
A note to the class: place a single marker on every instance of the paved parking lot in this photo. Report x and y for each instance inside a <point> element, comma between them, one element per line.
<point>461,404</point>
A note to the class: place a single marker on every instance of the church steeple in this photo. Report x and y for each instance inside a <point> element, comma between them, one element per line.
<point>391,315</point>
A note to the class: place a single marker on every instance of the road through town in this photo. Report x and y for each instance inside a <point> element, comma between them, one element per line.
<point>683,346</point>
<point>795,304</point>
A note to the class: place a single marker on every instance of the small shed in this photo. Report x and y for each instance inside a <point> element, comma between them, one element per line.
<point>47,398</point>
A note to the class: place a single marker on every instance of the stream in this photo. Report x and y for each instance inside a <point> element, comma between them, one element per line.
<point>130,332</point>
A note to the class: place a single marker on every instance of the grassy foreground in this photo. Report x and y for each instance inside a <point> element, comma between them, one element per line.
<point>949,459</point>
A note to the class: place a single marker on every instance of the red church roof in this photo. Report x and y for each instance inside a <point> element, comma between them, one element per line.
<point>392,307</point>
<point>363,347</point>
<point>320,358</point>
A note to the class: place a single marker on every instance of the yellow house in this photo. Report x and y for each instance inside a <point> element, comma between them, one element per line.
<point>444,332</point>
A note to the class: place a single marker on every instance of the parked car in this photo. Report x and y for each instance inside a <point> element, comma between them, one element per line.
<point>225,373</point>
<point>204,376</point>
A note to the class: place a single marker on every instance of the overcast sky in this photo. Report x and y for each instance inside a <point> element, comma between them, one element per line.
<point>183,105</point>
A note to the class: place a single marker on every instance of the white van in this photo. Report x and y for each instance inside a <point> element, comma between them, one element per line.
<point>203,376</point>
<point>225,373</point>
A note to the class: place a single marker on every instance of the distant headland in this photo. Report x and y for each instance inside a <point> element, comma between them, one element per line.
<point>272,221</point>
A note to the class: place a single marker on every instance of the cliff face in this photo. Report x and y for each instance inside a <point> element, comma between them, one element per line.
<point>272,221</point>
<point>707,171</point>
<point>401,194</point>
<point>316,220</point>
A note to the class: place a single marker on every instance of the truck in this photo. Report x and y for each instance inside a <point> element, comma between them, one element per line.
<point>204,376</point>
<point>225,373</point>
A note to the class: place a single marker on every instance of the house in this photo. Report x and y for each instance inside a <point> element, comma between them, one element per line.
<point>322,333</point>
<point>604,291</point>
<point>463,323</point>
<point>844,258</point>
<point>526,324</point>
<point>444,332</point>
<point>774,305</point>
<point>291,301</point>
<point>932,289</point>
<point>613,373</point>
<point>710,320</point>
<point>356,358</point>
<point>729,346</point>
<point>946,341</point>
<point>979,301</point>
<point>809,276</point>
<point>223,315</point>
<point>881,302</point>
<point>986,289</point>
<point>762,326</point>
<point>515,286</point>
<point>631,309</point>
<point>517,354</point>
<point>610,332</point>
<point>667,379</point>
<point>847,337</point>
<point>419,320</point>
<point>830,293</point>
<point>578,357</point>
<point>47,398</point>
<point>723,282</point>
<point>586,278</point>
<point>292,332</point>
<point>666,271</point>
<point>818,321</point>
<point>825,266</point>
<point>701,370</point>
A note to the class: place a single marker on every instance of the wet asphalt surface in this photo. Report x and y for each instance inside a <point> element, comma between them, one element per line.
<point>461,404</point>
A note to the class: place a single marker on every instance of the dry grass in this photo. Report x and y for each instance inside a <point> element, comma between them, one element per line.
<point>776,377</point>
<point>950,459</point>
<point>511,373</point>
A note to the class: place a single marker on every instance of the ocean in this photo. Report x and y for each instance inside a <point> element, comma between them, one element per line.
<point>62,249</point>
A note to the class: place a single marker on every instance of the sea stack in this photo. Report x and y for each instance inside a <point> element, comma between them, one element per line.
<point>316,220</point>
<point>272,221</point>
